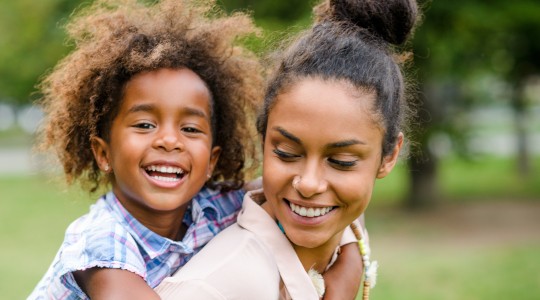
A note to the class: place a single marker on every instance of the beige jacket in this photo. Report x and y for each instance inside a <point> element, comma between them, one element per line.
<point>251,259</point>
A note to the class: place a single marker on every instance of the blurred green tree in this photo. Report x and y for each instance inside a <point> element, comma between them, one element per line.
<point>459,42</point>
<point>31,41</point>
<point>285,11</point>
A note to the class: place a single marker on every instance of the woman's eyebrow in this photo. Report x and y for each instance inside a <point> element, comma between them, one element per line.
<point>287,134</point>
<point>346,143</point>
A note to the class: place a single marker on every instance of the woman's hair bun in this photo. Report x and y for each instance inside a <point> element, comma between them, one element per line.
<point>391,20</point>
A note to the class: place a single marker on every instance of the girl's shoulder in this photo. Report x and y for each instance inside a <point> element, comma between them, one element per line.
<point>227,204</point>
<point>98,239</point>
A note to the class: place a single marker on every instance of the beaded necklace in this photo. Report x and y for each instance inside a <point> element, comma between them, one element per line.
<point>370,268</point>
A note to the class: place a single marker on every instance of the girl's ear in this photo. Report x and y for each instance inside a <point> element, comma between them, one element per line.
<point>100,148</point>
<point>390,160</point>
<point>214,157</point>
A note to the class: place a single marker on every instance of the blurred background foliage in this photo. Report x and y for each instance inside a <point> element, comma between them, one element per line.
<point>476,140</point>
<point>469,56</point>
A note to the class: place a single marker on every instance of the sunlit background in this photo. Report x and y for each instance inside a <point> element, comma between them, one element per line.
<point>458,219</point>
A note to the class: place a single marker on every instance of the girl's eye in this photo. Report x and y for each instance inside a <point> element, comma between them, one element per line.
<point>342,164</point>
<point>191,130</point>
<point>285,155</point>
<point>144,125</point>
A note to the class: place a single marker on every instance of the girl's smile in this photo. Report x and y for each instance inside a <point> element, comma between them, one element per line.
<point>165,174</point>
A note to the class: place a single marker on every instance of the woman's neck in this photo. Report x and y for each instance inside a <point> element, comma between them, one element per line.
<point>311,258</point>
<point>317,258</point>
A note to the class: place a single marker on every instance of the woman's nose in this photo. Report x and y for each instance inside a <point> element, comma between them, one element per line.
<point>310,182</point>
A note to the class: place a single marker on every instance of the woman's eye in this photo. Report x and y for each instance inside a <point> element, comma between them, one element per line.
<point>285,155</point>
<point>344,164</point>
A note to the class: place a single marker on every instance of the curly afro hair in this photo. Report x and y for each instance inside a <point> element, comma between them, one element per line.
<point>116,39</point>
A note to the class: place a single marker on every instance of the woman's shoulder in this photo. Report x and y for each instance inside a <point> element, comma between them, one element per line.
<point>235,264</point>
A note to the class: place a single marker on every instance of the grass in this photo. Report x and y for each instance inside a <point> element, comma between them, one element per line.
<point>509,273</point>
<point>34,216</point>
<point>35,212</point>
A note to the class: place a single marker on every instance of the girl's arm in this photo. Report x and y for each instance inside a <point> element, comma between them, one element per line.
<point>344,277</point>
<point>106,283</point>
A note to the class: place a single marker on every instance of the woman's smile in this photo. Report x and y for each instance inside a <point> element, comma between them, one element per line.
<point>310,211</point>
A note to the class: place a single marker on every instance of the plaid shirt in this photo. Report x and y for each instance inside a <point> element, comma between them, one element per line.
<point>109,237</point>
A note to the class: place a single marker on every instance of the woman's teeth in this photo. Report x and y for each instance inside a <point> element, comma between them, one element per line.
<point>309,212</point>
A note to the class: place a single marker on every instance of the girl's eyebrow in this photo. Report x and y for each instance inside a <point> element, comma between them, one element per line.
<point>150,107</point>
<point>340,144</point>
<point>194,112</point>
<point>141,107</point>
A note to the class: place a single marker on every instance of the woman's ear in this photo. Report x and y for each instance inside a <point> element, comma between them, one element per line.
<point>100,148</point>
<point>390,160</point>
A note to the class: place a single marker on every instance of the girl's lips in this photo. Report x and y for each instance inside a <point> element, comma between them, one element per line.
<point>164,174</point>
<point>163,180</point>
<point>164,169</point>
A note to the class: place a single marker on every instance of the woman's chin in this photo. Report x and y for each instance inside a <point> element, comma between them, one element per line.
<point>306,239</point>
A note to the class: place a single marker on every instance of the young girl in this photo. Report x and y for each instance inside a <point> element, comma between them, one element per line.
<point>331,126</point>
<point>147,102</point>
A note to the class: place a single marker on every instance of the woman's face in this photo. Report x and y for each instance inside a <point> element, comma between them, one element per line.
<point>323,135</point>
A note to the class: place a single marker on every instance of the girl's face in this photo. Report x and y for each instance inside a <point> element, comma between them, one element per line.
<point>160,149</point>
<point>324,135</point>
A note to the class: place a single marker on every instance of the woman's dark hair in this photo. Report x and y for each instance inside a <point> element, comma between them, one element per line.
<point>354,41</point>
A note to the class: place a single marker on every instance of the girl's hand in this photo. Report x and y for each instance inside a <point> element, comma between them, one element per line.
<point>344,277</point>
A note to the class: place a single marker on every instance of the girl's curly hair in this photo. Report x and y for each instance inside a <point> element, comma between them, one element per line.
<point>116,39</point>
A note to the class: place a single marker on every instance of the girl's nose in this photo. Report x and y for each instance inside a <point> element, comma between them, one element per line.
<point>169,140</point>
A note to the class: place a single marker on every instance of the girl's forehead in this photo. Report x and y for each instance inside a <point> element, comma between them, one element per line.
<point>169,88</point>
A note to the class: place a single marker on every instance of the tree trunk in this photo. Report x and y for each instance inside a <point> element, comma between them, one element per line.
<point>423,187</point>
<point>520,117</point>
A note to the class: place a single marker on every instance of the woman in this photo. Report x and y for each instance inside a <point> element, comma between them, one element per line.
<point>331,125</point>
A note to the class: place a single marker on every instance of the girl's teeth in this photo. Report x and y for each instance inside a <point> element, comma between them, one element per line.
<point>165,169</point>
<point>309,212</point>
<point>168,179</point>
